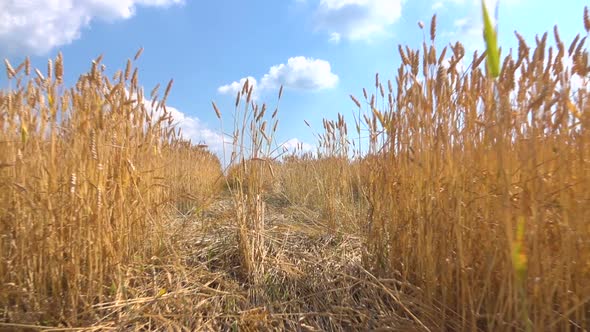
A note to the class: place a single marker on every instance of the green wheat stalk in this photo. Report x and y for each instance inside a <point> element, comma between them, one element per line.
<point>491,38</point>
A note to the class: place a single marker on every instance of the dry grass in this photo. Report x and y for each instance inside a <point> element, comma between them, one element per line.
<point>326,184</point>
<point>467,210</point>
<point>480,197</point>
<point>87,176</point>
<point>477,188</point>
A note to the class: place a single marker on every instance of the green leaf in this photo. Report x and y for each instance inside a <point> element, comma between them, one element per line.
<point>491,39</point>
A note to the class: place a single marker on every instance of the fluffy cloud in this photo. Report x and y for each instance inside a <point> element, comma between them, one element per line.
<point>357,19</point>
<point>233,87</point>
<point>469,28</point>
<point>192,127</point>
<point>195,130</point>
<point>437,5</point>
<point>335,37</point>
<point>299,73</point>
<point>199,133</point>
<point>490,4</point>
<point>37,26</point>
<point>302,74</point>
<point>296,145</point>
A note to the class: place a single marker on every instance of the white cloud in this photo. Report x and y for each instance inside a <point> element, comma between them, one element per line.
<point>357,19</point>
<point>233,87</point>
<point>437,5</point>
<point>296,145</point>
<point>191,127</point>
<point>461,22</point>
<point>468,31</point>
<point>199,133</point>
<point>37,26</point>
<point>490,4</point>
<point>300,73</point>
<point>335,37</point>
<point>195,130</point>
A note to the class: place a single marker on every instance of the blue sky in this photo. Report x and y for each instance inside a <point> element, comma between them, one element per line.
<point>320,50</point>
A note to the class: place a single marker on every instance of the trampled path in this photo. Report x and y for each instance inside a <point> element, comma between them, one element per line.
<point>310,279</point>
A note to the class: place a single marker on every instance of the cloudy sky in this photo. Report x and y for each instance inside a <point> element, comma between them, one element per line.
<point>320,50</point>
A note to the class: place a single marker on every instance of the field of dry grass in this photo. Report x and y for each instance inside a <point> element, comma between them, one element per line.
<point>468,209</point>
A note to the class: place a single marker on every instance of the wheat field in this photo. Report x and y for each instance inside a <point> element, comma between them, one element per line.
<point>468,209</point>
